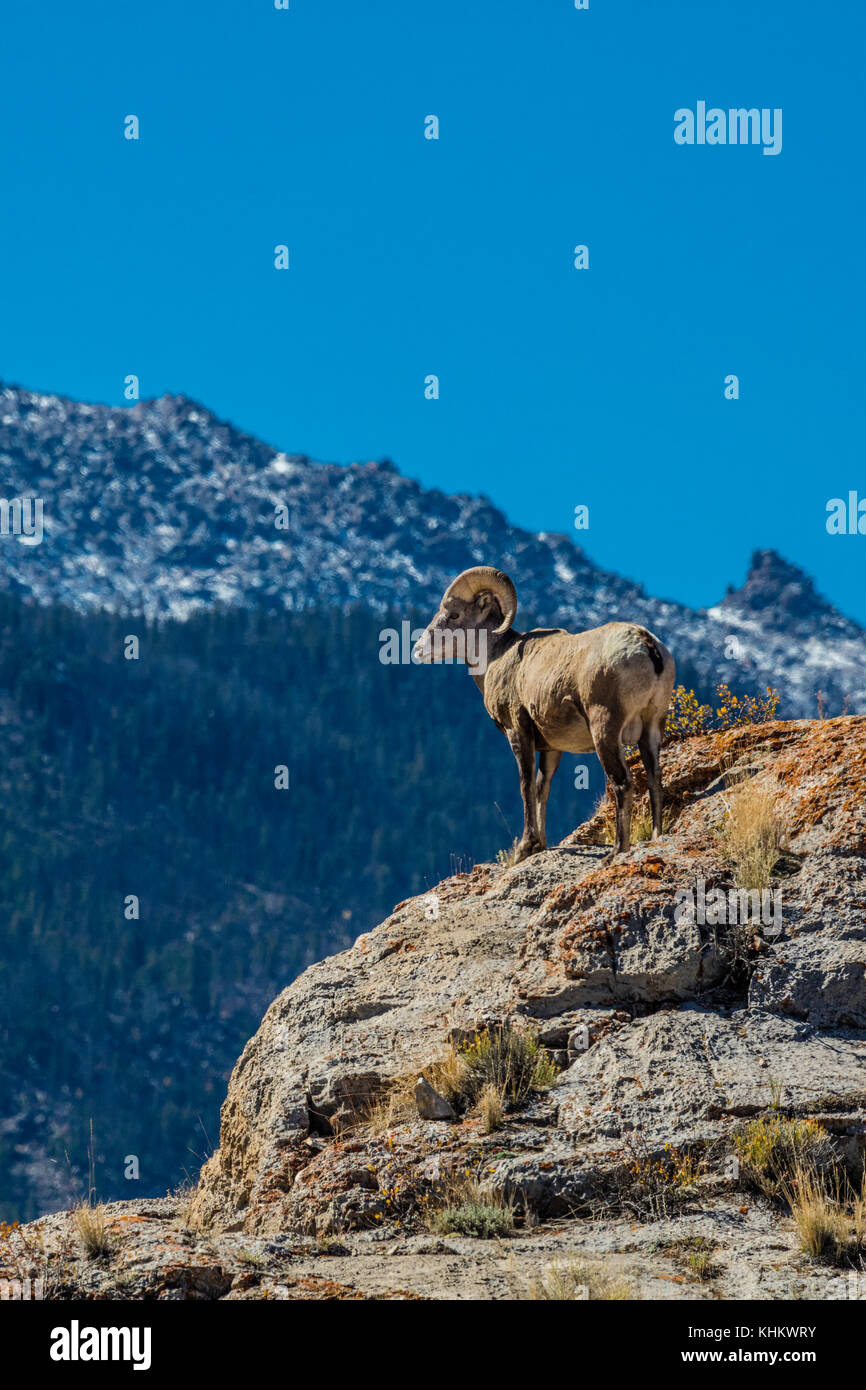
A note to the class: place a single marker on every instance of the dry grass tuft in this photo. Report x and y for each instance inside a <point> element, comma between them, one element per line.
<point>498,1069</point>
<point>752,835</point>
<point>824,1227</point>
<point>395,1103</point>
<point>393,1106</point>
<point>90,1228</point>
<point>641,819</point>
<point>858,1214</point>
<point>491,1108</point>
<point>447,1075</point>
<point>577,1280</point>
<point>827,1215</point>
<point>507,857</point>
<point>701,1264</point>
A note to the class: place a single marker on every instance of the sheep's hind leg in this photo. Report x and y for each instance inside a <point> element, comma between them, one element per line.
<point>548,762</point>
<point>606,736</point>
<point>648,744</point>
<point>523,747</point>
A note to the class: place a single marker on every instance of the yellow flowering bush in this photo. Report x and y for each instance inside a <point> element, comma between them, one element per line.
<point>688,716</point>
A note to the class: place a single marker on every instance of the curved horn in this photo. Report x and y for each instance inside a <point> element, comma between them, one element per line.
<point>472,581</point>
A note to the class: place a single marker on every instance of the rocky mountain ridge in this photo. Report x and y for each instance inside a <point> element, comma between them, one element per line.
<point>164,508</point>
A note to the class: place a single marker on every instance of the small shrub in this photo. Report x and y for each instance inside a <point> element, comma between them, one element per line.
<point>695,1254</point>
<point>653,1183</point>
<point>472,1210</point>
<point>510,1060</point>
<point>476,1219</point>
<point>738,948</point>
<point>773,1149</point>
<point>734,710</point>
<point>687,716</point>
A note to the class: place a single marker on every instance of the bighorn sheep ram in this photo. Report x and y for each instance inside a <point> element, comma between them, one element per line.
<point>555,692</point>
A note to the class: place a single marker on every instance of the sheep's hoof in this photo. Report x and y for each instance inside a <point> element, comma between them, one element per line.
<point>612,858</point>
<point>525,849</point>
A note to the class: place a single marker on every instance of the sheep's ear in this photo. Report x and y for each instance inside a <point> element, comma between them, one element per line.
<point>490,606</point>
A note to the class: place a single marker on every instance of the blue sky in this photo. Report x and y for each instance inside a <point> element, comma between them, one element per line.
<point>454,256</point>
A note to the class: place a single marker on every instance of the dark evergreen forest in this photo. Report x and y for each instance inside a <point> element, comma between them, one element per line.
<point>155,778</point>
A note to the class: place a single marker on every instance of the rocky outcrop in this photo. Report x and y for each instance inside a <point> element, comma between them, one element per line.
<point>665,1030</point>
<point>661,1032</point>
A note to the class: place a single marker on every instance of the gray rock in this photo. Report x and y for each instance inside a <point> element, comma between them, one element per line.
<point>432,1106</point>
<point>814,978</point>
<point>817,969</point>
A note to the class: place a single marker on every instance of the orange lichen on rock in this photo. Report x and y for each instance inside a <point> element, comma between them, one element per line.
<point>827,773</point>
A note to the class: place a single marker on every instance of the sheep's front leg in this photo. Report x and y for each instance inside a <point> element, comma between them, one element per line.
<point>523,748</point>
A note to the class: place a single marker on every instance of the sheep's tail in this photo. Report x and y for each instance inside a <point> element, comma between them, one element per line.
<point>653,650</point>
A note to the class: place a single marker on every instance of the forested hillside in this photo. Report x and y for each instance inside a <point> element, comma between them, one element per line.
<point>155,778</point>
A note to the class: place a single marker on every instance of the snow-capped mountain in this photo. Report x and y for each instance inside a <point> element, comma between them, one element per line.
<point>163,508</point>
